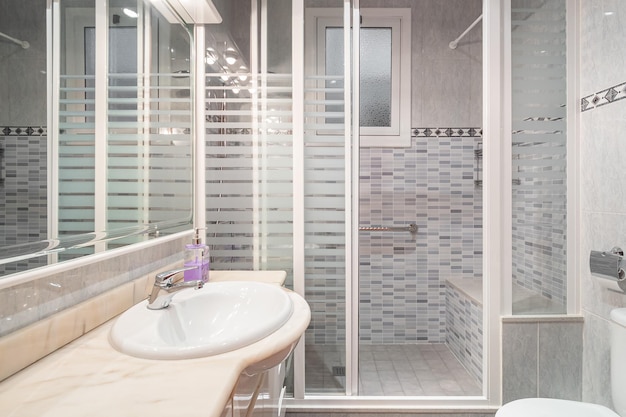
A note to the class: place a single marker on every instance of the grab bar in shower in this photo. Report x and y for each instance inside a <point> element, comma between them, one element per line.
<point>410,228</point>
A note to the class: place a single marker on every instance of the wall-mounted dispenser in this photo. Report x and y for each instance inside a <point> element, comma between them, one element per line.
<point>609,267</point>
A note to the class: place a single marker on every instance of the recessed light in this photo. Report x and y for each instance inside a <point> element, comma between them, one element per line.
<point>130,13</point>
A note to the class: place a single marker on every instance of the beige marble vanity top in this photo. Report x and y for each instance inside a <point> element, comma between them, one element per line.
<point>89,378</point>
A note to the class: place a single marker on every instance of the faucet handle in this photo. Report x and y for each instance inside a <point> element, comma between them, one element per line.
<point>166,276</point>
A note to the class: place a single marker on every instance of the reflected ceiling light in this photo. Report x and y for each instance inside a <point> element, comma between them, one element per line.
<point>609,13</point>
<point>130,13</point>
<point>211,57</point>
<point>230,55</point>
<point>243,73</point>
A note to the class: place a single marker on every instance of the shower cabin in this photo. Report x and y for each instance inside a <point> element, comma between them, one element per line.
<point>357,173</point>
<point>356,160</point>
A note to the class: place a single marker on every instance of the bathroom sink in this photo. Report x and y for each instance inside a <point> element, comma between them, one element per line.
<point>219,318</point>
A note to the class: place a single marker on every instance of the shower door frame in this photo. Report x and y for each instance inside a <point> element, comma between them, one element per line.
<point>495,203</point>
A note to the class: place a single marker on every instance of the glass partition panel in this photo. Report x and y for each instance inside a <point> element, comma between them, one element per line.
<point>76,123</point>
<point>324,189</point>
<point>149,120</point>
<point>538,42</point>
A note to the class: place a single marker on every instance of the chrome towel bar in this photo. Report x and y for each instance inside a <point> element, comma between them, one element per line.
<point>410,228</point>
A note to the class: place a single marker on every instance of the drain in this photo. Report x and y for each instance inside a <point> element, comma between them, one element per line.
<point>339,371</point>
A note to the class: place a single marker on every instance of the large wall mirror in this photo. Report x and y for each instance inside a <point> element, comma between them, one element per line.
<point>95,128</point>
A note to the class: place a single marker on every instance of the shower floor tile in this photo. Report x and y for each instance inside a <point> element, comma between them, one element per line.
<point>399,370</point>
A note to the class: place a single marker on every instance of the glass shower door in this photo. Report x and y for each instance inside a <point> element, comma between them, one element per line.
<point>420,241</point>
<point>325,178</point>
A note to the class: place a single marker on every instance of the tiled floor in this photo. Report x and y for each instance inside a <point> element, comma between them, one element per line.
<point>392,370</point>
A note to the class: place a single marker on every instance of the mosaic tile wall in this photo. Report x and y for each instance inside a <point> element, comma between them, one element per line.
<point>464,330</point>
<point>540,237</point>
<point>402,287</point>
<point>23,190</point>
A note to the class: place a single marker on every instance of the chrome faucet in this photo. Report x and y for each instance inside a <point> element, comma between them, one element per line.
<point>165,281</point>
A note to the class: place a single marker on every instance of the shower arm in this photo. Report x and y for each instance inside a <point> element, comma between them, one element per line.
<point>23,44</point>
<point>455,42</point>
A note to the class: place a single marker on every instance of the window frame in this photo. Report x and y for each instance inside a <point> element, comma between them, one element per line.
<point>399,21</point>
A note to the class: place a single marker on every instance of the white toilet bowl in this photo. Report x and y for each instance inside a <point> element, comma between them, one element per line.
<point>550,407</point>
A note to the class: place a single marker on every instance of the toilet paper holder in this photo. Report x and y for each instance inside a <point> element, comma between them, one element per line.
<point>608,265</point>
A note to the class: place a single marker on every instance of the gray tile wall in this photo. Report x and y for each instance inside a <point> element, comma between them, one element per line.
<point>402,297</point>
<point>539,240</point>
<point>542,359</point>
<point>603,190</point>
<point>431,183</point>
<point>464,330</point>
<point>23,192</point>
<point>22,103</point>
<point>403,276</point>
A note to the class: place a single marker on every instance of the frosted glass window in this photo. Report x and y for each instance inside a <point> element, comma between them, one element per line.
<point>384,74</point>
<point>375,56</point>
<point>375,74</point>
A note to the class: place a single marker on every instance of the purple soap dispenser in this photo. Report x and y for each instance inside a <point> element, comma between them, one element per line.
<point>196,255</point>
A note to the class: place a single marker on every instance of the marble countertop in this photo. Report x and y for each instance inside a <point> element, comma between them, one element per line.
<point>89,377</point>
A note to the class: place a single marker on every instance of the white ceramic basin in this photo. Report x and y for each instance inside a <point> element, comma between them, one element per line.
<point>219,318</point>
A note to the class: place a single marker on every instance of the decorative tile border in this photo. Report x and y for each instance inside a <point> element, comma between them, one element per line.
<point>23,131</point>
<point>607,96</point>
<point>470,132</point>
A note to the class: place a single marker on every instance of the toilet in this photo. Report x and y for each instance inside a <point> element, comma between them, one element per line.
<point>544,407</point>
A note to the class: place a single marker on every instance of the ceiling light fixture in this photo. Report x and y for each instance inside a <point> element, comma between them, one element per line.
<point>130,13</point>
<point>231,56</point>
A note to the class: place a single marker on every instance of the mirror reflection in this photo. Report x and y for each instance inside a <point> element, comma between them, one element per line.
<point>95,129</point>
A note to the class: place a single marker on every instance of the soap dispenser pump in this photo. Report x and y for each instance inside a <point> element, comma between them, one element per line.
<point>196,255</point>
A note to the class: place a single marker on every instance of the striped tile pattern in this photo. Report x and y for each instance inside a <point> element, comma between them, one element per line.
<point>402,276</point>
<point>464,335</point>
<point>23,193</point>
